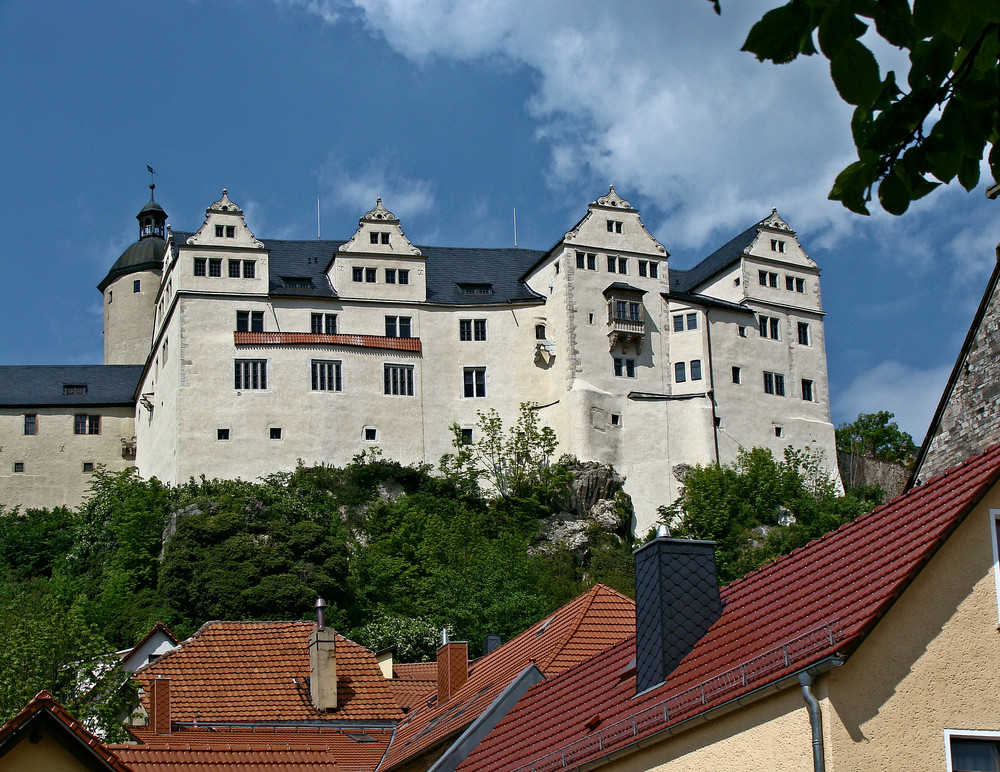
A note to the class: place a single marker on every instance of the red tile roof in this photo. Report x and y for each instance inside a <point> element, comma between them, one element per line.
<point>259,748</point>
<point>256,671</point>
<point>413,683</point>
<point>819,601</point>
<point>44,706</point>
<point>589,624</point>
<point>362,341</point>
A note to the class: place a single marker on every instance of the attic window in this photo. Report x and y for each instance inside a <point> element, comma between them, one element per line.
<point>297,282</point>
<point>628,671</point>
<point>544,626</point>
<point>476,289</point>
<point>361,737</point>
<point>74,390</point>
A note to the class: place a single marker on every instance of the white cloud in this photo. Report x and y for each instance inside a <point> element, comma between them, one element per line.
<point>357,189</point>
<point>911,393</point>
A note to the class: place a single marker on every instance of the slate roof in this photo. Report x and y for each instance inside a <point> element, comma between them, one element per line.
<point>719,260</point>
<point>256,671</point>
<point>591,623</point>
<point>819,601</point>
<point>291,749</point>
<point>43,710</point>
<point>446,269</point>
<point>42,385</point>
<point>144,255</point>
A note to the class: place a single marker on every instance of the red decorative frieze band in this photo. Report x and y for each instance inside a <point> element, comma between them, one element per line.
<point>299,338</point>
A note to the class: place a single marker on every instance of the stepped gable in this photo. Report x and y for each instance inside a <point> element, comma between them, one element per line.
<point>291,749</point>
<point>256,671</point>
<point>841,585</point>
<point>585,626</point>
<point>43,713</point>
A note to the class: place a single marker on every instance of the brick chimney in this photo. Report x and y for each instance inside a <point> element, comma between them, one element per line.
<point>323,663</point>
<point>159,705</point>
<point>453,666</point>
<point>676,601</point>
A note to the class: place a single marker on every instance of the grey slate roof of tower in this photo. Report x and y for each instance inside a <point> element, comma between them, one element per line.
<point>42,385</point>
<point>720,259</point>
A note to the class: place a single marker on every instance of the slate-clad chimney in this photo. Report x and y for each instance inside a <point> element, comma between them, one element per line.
<point>159,705</point>
<point>452,666</point>
<point>676,601</point>
<point>322,663</point>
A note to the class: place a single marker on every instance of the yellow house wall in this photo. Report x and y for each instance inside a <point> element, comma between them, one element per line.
<point>47,755</point>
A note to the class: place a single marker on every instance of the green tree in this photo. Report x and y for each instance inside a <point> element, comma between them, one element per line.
<point>876,435</point>
<point>953,48</point>
<point>759,508</point>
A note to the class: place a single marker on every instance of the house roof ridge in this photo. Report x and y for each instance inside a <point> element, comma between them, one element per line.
<point>588,600</point>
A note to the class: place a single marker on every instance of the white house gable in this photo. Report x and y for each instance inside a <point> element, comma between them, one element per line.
<point>611,225</point>
<point>224,226</point>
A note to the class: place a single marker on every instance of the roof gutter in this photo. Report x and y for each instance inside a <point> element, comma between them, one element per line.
<point>815,721</point>
<point>819,668</point>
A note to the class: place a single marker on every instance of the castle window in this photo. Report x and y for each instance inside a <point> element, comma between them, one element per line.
<point>250,374</point>
<point>136,285</point>
<point>614,226</point>
<point>234,269</point>
<point>275,432</point>
<point>648,268</point>
<point>390,275</point>
<point>612,264</point>
<point>218,231</point>
<point>800,285</point>
<point>324,324</point>
<point>373,237</point>
<point>807,390</point>
<point>111,296</point>
<point>370,433</point>
<point>642,267</point>
<point>624,367</point>
<point>476,289</point>
<point>326,376</point>
<point>736,375</point>
<point>199,266</point>
<point>88,466</point>
<point>397,327</point>
<point>692,321</point>
<point>479,329</point>
<point>768,327</point>
<point>790,283</point>
<point>297,282</point>
<point>371,275</point>
<point>18,467</point>
<point>86,424</point>
<point>358,274</point>
<point>742,331</point>
<point>654,270</point>
<point>385,238</point>
<point>74,389</point>
<point>778,431</point>
<point>679,323</point>
<point>804,333</point>
<point>249,321</point>
<point>772,280</point>
<point>767,279</point>
<point>249,269</point>
<point>774,383</point>
<point>398,380</point>
<point>30,424</point>
<point>695,369</point>
<point>230,231</point>
<point>539,332</point>
<point>222,434</point>
<point>777,245</point>
<point>680,372</point>
<point>623,265</point>
<point>215,267</point>
<point>466,436</point>
<point>616,419</point>
<point>475,381</point>
<point>404,276</point>
<point>973,750</point>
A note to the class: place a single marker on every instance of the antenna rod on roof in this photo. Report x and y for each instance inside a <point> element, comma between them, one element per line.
<point>515,227</point>
<point>317,219</point>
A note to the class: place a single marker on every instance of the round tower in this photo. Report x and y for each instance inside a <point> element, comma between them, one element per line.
<point>130,290</point>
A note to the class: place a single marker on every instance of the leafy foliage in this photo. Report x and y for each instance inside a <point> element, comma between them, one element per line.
<point>876,435</point>
<point>953,48</point>
<point>760,508</point>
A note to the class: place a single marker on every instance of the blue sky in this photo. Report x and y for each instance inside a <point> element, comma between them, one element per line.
<point>455,113</point>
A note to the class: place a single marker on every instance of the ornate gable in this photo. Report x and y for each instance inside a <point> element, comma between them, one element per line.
<point>379,232</point>
<point>775,222</point>
<point>224,226</point>
<point>611,224</point>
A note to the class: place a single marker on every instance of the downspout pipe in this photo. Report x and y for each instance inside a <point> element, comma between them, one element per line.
<point>815,720</point>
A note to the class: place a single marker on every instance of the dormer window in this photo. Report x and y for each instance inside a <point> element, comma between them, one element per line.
<point>475,289</point>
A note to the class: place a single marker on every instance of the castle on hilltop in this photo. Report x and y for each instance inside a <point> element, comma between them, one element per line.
<point>226,355</point>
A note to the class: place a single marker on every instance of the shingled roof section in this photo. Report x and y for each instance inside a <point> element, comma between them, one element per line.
<point>689,280</point>
<point>589,624</point>
<point>291,749</point>
<point>256,671</point>
<point>816,603</point>
<point>413,682</point>
<point>44,711</point>
<point>42,385</point>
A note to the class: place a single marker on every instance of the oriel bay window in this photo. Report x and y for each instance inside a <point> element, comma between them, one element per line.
<point>626,316</point>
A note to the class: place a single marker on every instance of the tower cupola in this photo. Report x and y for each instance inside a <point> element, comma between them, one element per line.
<point>152,219</point>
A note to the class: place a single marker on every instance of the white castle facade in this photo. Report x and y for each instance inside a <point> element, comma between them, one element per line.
<point>231,356</point>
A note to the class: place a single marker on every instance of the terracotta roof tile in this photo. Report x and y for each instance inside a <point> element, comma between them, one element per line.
<point>44,705</point>
<point>256,671</point>
<point>362,341</point>
<point>818,601</point>
<point>591,623</point>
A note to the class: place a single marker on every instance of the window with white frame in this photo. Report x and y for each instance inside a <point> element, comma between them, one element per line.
<point>769,327</point>
<point>390,275</point>
<point>250,374</point>
<point>972,751</point>
<point>326,375</point>
<point>474,382</point>
<point>398,380</point>
<point>774,383</point>
<point>397,326</point>
<point>803,328</point>
<point>695,369</point>
<point>404,275</point>
<point>586,261</point>
<point>249,321</point>
<point>680,372</point>
<point>323,324</point>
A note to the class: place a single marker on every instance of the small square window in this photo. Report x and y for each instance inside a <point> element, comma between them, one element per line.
<point>358,274</point>
<point>230,231</point>
<point>219,230</point>
<point>136,285</point>
<point>371,275</point>
<point>215,267</point>
<point>404,276</point>
<point>778,431</point>
<point>390,275</point>
<point>88,466</point>
<point>742,331</point>
<point>249,269</point>
<point>199,266</point>
<point>18,467</point>
<point>370,434</point>
<point>616,419</point>
<point>275,433</point>
<point>234,269</point>
<point>222,434</point>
